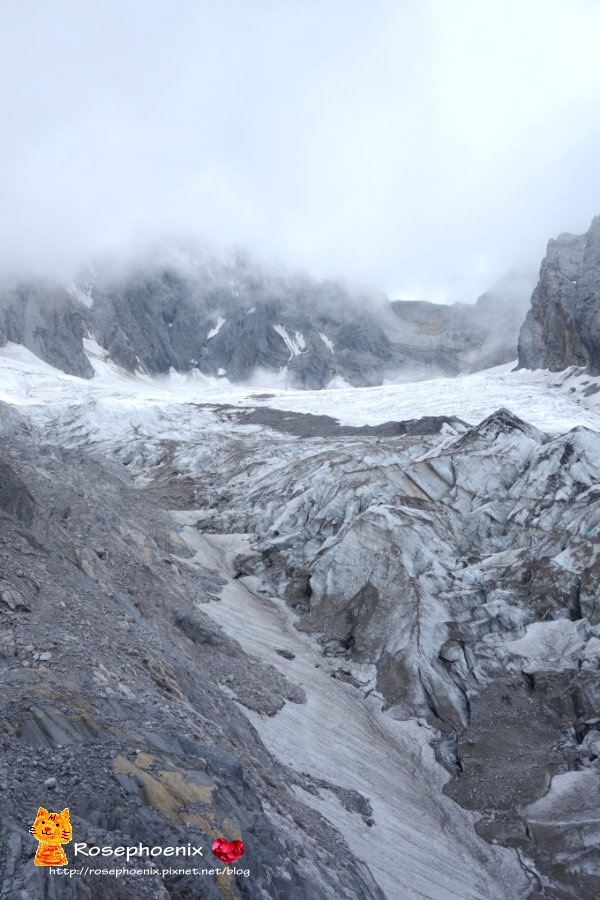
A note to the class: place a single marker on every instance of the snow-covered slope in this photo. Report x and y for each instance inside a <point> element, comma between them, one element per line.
<point>551,401</point>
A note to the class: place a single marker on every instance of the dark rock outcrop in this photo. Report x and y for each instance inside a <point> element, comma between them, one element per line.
<point>562,327</point>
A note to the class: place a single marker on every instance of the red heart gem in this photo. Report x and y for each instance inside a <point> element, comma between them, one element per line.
<point>227,851</point>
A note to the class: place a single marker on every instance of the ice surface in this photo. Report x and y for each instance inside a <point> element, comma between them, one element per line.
<point>421,845</point>
<point>550,646</point>
<point>573,797</point>
<point>27,380</point>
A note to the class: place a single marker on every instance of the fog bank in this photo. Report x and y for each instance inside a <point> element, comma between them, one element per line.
<point>424,148</point>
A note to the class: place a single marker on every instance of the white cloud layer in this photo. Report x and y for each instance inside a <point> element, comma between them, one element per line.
<point>423,147</point>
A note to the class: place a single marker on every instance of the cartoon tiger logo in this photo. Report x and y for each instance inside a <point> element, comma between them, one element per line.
<point>51,830</point>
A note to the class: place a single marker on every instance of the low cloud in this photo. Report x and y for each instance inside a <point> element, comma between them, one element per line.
<point>422,148</point>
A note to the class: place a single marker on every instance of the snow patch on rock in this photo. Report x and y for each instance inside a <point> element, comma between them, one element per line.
<point>214,331</point>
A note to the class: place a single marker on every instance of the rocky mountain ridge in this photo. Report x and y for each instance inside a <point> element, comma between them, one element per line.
<point>232,318</point>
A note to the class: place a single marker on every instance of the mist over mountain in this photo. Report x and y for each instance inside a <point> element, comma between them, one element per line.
<point>410,146</point>
<point>231,316</point>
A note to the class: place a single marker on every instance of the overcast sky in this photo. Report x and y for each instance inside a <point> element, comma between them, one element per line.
<point>423,147</point>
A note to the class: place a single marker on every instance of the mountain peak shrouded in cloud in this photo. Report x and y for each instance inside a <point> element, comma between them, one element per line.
<point>229,316</point>
<point>432,145</point>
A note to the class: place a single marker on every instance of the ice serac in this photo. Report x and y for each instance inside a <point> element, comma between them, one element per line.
<point>562,328</point>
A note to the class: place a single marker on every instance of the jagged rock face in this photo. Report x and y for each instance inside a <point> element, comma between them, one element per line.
<point>587,315</point>
<point>224,319</point>
<point>47,320</point>
<point>562,327</point>
<point>233,318</point>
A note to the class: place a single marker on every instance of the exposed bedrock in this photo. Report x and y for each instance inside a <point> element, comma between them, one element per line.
<point>47,320</point>
<point>562,327</point>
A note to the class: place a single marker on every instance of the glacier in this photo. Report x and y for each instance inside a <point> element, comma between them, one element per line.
<point>430,589</point>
